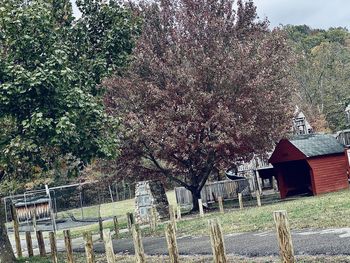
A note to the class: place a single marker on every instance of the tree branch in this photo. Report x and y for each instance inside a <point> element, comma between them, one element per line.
<point>162,169</point>
<point>167,173</point>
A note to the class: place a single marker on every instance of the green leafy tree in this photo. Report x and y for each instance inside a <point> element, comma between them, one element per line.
<point>50,70</point>
<point>322,72</point>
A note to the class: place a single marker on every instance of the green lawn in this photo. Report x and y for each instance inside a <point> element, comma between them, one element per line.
<point>325,211</point>
<point>119,208</point>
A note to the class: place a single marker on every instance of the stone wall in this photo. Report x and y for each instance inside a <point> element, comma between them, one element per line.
<point>150,194</point>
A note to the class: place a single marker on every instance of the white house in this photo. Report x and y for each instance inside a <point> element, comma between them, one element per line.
<point>300,124</point>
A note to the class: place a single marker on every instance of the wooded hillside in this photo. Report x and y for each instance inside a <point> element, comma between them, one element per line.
<point>322,74</point>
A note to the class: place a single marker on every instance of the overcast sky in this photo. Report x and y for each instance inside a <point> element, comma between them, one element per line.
<point>315,13</point>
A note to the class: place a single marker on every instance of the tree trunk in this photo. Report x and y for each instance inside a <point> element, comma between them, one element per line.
<point>195,196</point>
<point>197,183</point>
<point>6,252</point>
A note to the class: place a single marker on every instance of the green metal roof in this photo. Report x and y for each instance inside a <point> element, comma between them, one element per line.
<point>317,144</point>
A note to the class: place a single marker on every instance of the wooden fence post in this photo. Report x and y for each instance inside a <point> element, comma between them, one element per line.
<point>221,205</point>
<point>178,214</point>
<point>170,235</point>
<point>240,200</point>
<point>274,184</point>
<point>171,213</point>
<point>29,244</point>
<point>100,227</point>
<point>130,219</point>
<point>258,200</point>
<point>108,246</point>
<point>16,231</point>
<point>172,216</point>
<point>284,237</point>
<point>217,241</point>
<point>53,247</point>
<point>35,228</point>
<point>116,226</point>
<point>139,252</point>
<point>89,248</point>
<point>41,243</point>
<point>200,204</point>
<point>68,244</point>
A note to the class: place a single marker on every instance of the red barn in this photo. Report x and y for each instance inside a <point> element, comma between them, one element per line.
<point>309,164</point>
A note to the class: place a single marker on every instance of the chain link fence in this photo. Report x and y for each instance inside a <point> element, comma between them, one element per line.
<point>66,206</point>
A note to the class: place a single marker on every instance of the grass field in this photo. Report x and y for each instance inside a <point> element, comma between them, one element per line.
<point>119,208</point>
<point>325,211</point>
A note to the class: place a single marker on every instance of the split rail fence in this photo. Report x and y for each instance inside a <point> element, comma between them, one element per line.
<point>170,229</point>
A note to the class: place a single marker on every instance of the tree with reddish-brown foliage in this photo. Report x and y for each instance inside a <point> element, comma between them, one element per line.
<point>209,86</point>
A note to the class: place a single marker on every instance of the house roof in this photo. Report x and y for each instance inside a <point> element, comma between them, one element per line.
<point>317,144</point>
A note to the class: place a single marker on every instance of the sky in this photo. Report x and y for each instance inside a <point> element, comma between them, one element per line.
<point>315,13</point>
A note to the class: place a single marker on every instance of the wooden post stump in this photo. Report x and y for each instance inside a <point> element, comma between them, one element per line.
<point>29,244</point>
<point>53,246</point>
<point>172,216</point>
<point>217,241</point>
<point>178,213</point>
<point>258,200</point>
<point>221,205</point>
<point>201,211</point>
<point>170,235</point>
<point>284,237</point>
<point>116,227</point>
<point>131,220</point>
<point>171,213</point>
<point>89,248</point>
<point>240,200</point>
<point>68,244</point>
<point>139,252</point>
<point>35,228</point>
<point>108,246</point>
<point>41,243</point>
<point>16,231</point>
<point>100,227</point>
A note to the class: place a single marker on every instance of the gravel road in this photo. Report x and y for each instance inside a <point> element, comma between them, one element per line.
<point>306,242</point>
